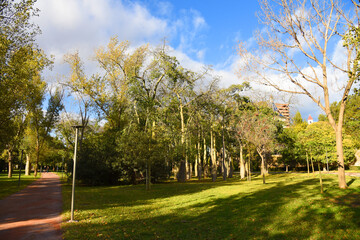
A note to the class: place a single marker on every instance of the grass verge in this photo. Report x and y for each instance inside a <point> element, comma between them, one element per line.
<point>9,186</point>
<point>289,206</point>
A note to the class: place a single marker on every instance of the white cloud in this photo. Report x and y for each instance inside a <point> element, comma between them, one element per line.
<point>199,22</point>
<point>164,8</point>
<point>201,54</point>
<point>84,25</point>
<point>188,29</point>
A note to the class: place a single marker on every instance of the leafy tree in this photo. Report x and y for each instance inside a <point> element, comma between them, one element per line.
<point>237,104</point>
<point>351,117</point>
<point>13,144</point>
<point>42,124</point>
<point>260,129</point>
<point>322,118</point>
<point>181,84</point>
<point>21,63</point>
<point>296,42</point>
<point>319,139</point>
<point>292,151</point>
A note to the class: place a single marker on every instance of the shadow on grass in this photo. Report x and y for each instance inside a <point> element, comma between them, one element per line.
<point>134,195</point>
<point>283,210</point>
<point>11,185</point>
<point>351,182</point>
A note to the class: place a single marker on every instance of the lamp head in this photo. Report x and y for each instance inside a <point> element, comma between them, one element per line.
<point>77,126</point>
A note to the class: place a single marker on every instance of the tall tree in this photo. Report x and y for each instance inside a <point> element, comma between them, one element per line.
<point>21,63</point>
<point>297,41</point>
<point>297,119</point>
<point>43,123</point>
<point>182,85</point>
<point>259,128</point>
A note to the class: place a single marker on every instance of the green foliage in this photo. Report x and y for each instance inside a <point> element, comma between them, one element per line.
<point>298,118</point>
<point>21,63</point>
<point>260,128</point>
<point>95,159</point>
<point>292,150</point>
<point>356,168</point>
<point>113,157</point>
<point>322,118</point>
<point>352,40</point>
<point>351,117</point>
<point>41,124</point>
<point>319,140</point>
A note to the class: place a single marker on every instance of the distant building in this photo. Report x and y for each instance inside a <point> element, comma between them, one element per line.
<point>283,110</point>
<point>310,119</point>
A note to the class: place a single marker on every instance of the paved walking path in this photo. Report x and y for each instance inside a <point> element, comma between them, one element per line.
<point>353,174</point>
<point>34,213</point>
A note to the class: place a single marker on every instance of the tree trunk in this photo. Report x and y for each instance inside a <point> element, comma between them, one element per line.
<point>307,162</point>
<point>287,168</point>
<point>186,159</point>
<point>312,165</point>
<point>10,163</point>
<point>231,167</point>
<point>249,165</point>
<point>242,165</point>
<point>340,157</point>
<point>196,161</point>
<point>205,162</point>
<point>37,157</point>
<point>246,164</point>
<point>249,170</point>
<point>263,168</point>
<point>213,158</point>
<point>327,163</point>
<point>198,167</point>
<point>181,175</point>
<point>338,135</point>
<point>190,170</point>
<point>27,166</point>
<point>225,169</point>
<point>262,164</point>
<point>148,175</point>
<point>266,166</point>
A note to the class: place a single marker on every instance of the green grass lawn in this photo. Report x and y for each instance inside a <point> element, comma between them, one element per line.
<point>289,206</point>
<point>9,186</point>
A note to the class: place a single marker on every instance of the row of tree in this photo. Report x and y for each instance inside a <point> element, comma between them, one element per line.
<point>23,123</point>
<point>162,119</point>
<point>147,117</point>
<point>294,53</point>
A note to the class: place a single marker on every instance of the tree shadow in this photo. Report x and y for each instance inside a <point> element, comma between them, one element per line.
<point>271,213</point>
<point>133,195</point>
<point>351,182</point>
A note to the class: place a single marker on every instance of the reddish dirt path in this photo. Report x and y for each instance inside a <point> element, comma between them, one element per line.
<point>34,212</point>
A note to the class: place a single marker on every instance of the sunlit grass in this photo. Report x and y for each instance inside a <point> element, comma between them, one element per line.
<point>289,206</point>
<point>9,186</point>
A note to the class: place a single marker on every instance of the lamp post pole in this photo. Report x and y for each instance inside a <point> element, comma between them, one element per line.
<point>74,171</point>
<point>62,165</point>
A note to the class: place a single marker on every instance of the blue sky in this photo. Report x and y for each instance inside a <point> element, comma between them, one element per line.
<point>199,32</point>
<point>206,31</point>
<point>225,23</point>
